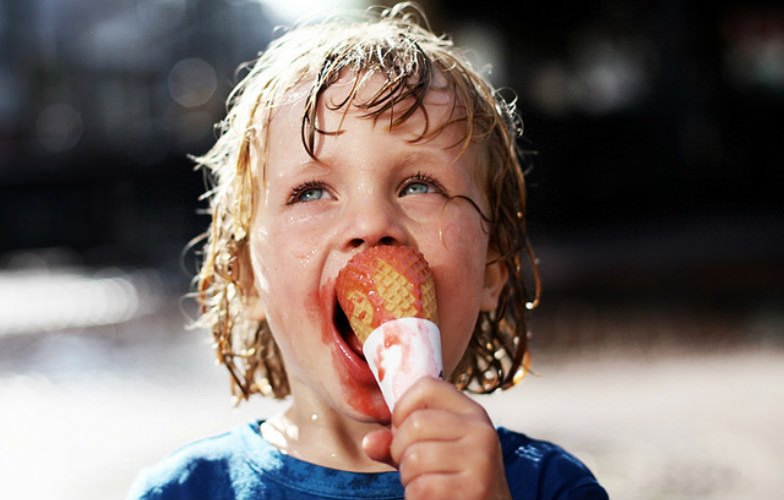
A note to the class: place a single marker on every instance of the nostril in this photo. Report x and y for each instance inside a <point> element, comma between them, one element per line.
<point>359,242</point>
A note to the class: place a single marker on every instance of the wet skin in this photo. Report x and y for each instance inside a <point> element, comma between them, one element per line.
<point>369,185</point>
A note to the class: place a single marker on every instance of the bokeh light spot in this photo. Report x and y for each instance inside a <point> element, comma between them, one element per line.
<point>192,82</point>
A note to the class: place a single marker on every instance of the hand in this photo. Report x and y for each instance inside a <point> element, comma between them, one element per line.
<point>443,443</point>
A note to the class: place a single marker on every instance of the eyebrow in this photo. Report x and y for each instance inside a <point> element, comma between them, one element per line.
<point>432,156</point>
<point>310,164</point>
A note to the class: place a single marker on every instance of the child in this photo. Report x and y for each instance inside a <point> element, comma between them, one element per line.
<point>346,135</point>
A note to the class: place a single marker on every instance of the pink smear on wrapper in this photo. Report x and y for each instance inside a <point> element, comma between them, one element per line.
<point>402,351</point>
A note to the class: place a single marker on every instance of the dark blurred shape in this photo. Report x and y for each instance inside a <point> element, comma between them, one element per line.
<point>99,104</point>
<point>644,111</point>
<point>754,48</point>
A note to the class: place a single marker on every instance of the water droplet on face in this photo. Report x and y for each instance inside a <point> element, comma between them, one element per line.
<point>314,417</point>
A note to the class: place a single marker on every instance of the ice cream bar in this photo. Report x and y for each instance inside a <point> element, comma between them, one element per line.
<point>388,295</point>
<point>385,283</point>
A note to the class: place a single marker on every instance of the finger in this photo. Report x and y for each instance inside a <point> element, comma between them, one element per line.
<point>429,392</point>
<point>428,458</point>
<point>477,450</point>
<point>434,486</point>
<point>427,425</point>
<point>455,485</point>
<point>376,445</point>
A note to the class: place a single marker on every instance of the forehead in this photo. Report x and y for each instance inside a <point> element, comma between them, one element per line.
<point>317,112</point>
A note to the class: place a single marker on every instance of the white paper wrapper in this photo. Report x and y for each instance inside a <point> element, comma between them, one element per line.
<point>402,351</point>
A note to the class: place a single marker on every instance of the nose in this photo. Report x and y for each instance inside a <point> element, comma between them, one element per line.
<point>374,221</point>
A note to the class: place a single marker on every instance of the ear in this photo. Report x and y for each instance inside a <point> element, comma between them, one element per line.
<point>496,276</point>
<point>251,300</point>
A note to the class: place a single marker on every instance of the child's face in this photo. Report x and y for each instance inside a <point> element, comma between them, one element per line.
<point>369,186</point>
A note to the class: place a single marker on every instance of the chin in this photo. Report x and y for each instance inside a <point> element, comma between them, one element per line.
<point>365,404</point>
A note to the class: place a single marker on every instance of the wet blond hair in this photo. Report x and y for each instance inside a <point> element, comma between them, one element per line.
<point>398,45</point>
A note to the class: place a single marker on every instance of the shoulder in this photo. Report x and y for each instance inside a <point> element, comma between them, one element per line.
<point>541,469</point>
<point>214,467</point>
<point>241,464</point>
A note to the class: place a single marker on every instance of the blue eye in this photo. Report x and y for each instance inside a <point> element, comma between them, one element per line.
<point>310,191</point>
<point>420,184</point>
<point>310,194</point>
<point>415,188</point>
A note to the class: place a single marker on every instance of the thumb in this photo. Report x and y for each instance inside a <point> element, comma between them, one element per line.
<point>376,446</point>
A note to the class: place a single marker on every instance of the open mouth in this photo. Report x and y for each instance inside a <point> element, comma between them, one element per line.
<point>346,332</point>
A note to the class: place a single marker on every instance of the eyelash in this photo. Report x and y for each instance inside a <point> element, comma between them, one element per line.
<point>420,177</point>
<point>299,190</point>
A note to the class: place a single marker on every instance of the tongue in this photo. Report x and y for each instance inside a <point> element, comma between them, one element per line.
<point>343,326</point>
<point>354,344</point>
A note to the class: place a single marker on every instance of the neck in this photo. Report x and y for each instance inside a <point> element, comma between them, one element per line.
<point>313,431</point>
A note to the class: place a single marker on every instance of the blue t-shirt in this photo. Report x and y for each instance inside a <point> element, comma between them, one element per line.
<point>241,464</point>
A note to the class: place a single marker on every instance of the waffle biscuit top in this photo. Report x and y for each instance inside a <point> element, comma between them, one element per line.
<point>384,283</point>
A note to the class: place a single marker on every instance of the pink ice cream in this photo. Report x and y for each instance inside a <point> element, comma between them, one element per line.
<point>388,296</point>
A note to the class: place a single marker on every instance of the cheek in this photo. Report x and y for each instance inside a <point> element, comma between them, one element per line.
<point>463,239</point>
<point>282,246</point>
<point>284,299</point>
<point>459,281</point>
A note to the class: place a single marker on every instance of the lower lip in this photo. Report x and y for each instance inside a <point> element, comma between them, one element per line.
<point>360,388</point>
<point>345,358</point>
<point>356,367</point>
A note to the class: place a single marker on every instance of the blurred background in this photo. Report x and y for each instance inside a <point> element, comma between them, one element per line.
<point>655,207</point>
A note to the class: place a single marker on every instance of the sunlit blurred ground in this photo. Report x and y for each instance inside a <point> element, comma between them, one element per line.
<point>655,413</point>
